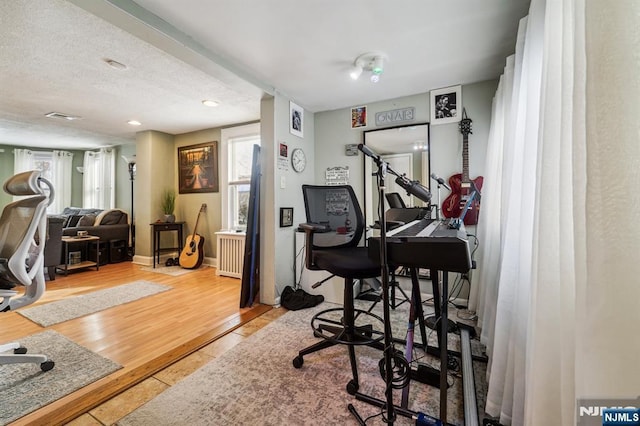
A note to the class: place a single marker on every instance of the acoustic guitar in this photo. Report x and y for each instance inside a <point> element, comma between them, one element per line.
<point>461,186</point>
<point>193,252</point>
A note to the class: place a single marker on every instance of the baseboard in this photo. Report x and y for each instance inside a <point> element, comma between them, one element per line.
<point>210,261</point>
<point>148,260</point>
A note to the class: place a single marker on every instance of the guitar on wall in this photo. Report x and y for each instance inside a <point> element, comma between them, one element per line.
<point>461,185</point>
<point>193,252</point>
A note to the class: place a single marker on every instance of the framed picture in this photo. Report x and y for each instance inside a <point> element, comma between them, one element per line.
<point>358,117</point>
<point>296,120</point>
<point>286,216</point>
<point>284,150</point>
<point>198,168</point>
<point>446,105</point>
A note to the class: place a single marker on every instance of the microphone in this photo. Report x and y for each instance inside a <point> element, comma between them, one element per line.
<point>413,187</point>
<point>367,151</point>
<point>439,180</point>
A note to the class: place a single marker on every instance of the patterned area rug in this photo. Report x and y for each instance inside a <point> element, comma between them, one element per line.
<point>85,304</point>
<point>25,388</point>
<point>256,383</point>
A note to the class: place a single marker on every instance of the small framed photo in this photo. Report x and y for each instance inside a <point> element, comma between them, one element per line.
<point>284,150</point>
<point>446,105</point>
<point>286,216</point>
<point>296,120</point>
<point>358,117</point>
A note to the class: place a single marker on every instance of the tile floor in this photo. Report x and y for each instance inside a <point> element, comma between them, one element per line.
<point>116,408</point>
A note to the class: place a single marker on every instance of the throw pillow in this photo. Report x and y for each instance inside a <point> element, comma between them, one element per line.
<point>73,221</point>
<point>112,217</point>
<point>87,220</point>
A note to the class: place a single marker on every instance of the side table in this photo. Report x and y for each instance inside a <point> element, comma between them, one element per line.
<point>158,228</point>
<point>86,263</point>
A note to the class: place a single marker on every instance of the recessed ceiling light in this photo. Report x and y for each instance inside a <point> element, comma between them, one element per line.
<point>134,122</point>
<point>115,64</point>
<point>210,103</point>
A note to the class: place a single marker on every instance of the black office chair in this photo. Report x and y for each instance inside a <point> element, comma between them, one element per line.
<point>395,201</point>
<point>334,227</point>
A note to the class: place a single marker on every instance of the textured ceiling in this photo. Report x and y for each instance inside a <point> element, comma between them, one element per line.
<point>233,51</point>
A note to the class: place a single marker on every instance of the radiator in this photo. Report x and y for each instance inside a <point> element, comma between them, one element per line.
<point>230,253</point>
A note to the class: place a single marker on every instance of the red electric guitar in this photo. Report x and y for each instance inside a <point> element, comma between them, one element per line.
<point>461,185</point>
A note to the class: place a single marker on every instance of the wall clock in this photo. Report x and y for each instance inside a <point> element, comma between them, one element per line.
<point>298,160</point>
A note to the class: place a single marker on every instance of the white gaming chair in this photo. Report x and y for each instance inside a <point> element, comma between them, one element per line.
<point>23,227</point>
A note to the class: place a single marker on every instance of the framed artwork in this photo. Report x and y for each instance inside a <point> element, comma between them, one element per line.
<point>286,216</point>
<point>296,120</point>
<point>358,117</point>
<point>198,168</point>
<point>284,150</point>
<point>446,105</point>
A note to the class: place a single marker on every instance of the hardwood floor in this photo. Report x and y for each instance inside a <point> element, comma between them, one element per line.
<point>144,336</point>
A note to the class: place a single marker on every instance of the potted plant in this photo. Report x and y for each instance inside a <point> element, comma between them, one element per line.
<point>168,204</point>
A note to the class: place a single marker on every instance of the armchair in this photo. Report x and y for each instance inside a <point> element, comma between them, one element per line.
<point>334,227</point>
<point>23,227</point>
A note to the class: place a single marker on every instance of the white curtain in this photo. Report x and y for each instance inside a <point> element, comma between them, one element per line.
<point>557,284</point>
<point>22,160</point>
<point>99,179</point>
<point>62,165</point>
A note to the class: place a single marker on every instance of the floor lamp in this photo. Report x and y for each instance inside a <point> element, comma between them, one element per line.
<point>131,162</point>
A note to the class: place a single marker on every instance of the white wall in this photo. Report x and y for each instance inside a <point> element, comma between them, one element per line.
<point>333,132</point>
<point>281,187</point>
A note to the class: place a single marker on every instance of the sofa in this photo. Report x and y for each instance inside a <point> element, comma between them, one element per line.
<point>112,224</point>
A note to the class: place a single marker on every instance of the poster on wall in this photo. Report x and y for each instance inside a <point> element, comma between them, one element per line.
<point>296,120</point>
<point>446,105</point>
<point>358,117</point>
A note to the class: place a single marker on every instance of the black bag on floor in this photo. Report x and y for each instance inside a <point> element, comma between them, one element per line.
<point>299,299</point>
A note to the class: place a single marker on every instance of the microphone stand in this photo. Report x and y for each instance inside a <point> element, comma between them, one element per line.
<point>383,167</point>
<point>415,189</point>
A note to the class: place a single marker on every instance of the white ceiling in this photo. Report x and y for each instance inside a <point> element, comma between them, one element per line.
<point>232,51</point>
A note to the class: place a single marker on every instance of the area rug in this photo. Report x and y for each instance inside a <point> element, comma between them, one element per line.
<point>256,383</point>
<point>174,271</point>
<point>78,306</point>
<point>25,388</point>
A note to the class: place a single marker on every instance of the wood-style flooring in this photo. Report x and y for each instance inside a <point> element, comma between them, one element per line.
<point>144,336</point>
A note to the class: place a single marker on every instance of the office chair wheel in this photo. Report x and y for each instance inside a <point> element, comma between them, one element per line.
<point>298,361</point>
<point>352,387</point>
<point>20,350</point>
<point>47,365</point>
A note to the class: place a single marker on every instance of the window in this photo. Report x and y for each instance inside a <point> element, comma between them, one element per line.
<point>56,167</point>
<point>99,179</point>
<point>43,161</point>
<point>235,167</point>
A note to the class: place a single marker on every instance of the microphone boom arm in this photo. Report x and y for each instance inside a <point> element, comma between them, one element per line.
<point>413,187</point>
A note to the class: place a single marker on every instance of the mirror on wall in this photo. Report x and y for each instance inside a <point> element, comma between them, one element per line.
<point>406,150</point>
